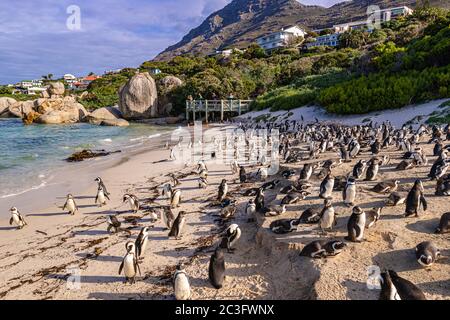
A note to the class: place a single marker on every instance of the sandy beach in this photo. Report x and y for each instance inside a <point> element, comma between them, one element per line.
<point>39,261</point>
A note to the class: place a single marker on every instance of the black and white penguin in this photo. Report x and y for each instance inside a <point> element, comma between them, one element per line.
<point>216,270</point>
<point>415,199</point>
<point>167,190</point>
<point>354,148</point>
<point>322,248</point>
<point>178,225</point>
<point>259,200</point>
<point>375,147</point>
<point>444,224</point>
<point>393,287</point>
<point>443,186</point>
<point>102,184</point>
<point>406,164</point>
<point>70,205</point>
<point>167,217</point>
<point>232,235</point>
<point>356,224</point>
<point>439,168</point>
<point>202,183</point>
<point>306,172</point>
<point>294,197</point>
<point>113,224</point>
<point>181,286</point>
<point>288,173</point>
<point>349,193</point>
<point>141,242</point>
<point>175,181</point>
<point>372,170</point>
<point>427,253</point>
<point>270,185</point>
<point>175,200</point>
<point>250,208</point>
<point>385,186</point>
<point>359,169</point>
<point>395,198</point>
<point>344,154</point>
<point>132,201</point>
<point>311,215</point>
<point>326,187</point>
<point>228,212</point>
<point>223,190</point>
<point>283,226</point>
<point>130,265</point>
<point>372,216</point>
<point>101,196</point>
<point>17,218</point>
<point>242,175</point>
<point>327,217</point>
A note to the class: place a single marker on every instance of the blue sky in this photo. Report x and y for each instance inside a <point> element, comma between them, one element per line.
<point>34,38</point>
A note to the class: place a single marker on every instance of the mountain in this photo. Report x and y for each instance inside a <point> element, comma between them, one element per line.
<point>242,21</point>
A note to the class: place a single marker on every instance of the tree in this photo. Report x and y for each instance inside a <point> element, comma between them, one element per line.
<point>254,51</point>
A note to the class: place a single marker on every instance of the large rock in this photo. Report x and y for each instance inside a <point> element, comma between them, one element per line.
<point>21,108</point>
<point>138,98</point>
<point>5,104</point>
<point>106,113</point>
<point>115,122</point>
<point>166,86</point>
<point>56,89</point>
<point>68,113</point>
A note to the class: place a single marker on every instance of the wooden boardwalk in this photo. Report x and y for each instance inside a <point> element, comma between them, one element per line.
<point>222,106</point>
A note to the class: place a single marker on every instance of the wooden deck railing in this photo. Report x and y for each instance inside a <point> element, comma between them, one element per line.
<point>221,106</point>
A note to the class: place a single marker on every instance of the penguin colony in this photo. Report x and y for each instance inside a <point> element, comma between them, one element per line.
<point>365,147</point>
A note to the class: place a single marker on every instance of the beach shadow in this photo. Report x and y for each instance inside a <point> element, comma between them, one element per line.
<point>8,228</point>
<point>90,232</point>
<point>47,214</point>
<point>358,291</point>
<point>102,258</point>
<point>83,197</point>
<point>87,206</point>
<point>127,296</point>
<point>424,226</point>
<point>398,260</point>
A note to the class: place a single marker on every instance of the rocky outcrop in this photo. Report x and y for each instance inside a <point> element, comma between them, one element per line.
<point>67,113</point>
<point>5,104</point>
<point>166,86</point>
<point>138,98</point>
<point>21,108</point>
<point>115,123</point>
<point>56,89</point>
<point>106,113</point>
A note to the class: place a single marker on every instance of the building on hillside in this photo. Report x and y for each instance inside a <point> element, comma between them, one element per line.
<point>155,71</point>
<point>114,71</point>
<point>35,90</point>
<point>30,83</point>
<point>83,83</point>
<point>331,40</point>
<point>280,39</point>
<point>30,87</point>
<point>225,53</point>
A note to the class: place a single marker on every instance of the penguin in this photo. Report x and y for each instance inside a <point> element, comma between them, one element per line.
<point>356,224</point>
<point>228,212</point>
<point>322,248</point>
<point>130,265</point>
<point>178,225</point>
<point>175,181</point>
<point>234,167</point>
<point>250,208</point>
<point>386,187</point>
<point>242,175</point>
<point>175,199</point>
<point>133,201</point>
<point>203,173</point>
<point>311,215</point>
<point>167,218</point>
<point>263,173</point>
<point>354,149</point>
<point>327,217</point>
<point>414,199</point>
<point>288,173</point>
<point>294,197</point>
<point>141,242</point>
<point>372,170</point>
<point>101,197</point>
<point>349,193</point>
<point>427,253</point>
<point>406,164</point>
<point>283,226</point>
<point>167,190</point>
<point>251,192</point>
<point>232,235</point>
<point>201,166</point>
<point>443,186</point>
<point>70,205</point>
<point>216,270</point>
<point>102,184</point>
<point>372,216</point>
<point>223,190</point>
<point>270,185</point>
<point>359,169</point>
<point>113,224</point>
<point>17,218</point>
<point>444,224</point>
<point>344,154</point>
<point>326,187</point>
<point>259,200</point>
<point>181,286</point>
<point>394,287</point>
<point>202,183</point>
<point>273,210</point>
<point>395,198</point>
<point>438,169</point>
<point>306,172</point>
<point>375,147</point>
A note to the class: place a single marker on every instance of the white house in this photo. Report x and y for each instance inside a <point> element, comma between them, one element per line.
<point>331,40</point>
<point>280,38</point>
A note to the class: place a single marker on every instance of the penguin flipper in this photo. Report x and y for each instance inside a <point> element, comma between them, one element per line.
<point>11,221</point>
<point>121,267</point>
<point>106,195</point>
<point>424,202</point>
<point>137,267</point>
<point>64,207</point>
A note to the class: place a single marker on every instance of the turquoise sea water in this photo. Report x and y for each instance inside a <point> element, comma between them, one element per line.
<point>28,154</point>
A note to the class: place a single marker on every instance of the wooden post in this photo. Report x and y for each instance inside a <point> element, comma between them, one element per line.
<point>193,111</point>
<point>221,110</point>
<point>239,107</point>
<point>206,111</point>
<point>187,110</point>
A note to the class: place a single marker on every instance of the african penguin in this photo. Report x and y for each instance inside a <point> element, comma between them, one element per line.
<point>372,216</point>
<point>395,198</point>
<point>141,242</point>
<point>415,199</point>
<point>17,218</point>
<point>356,225</point>
<point>223,190</point>
<point>101,197</point>
<point>181,286</point>
<point>232,235</point>
<point>167,217</point>
<point>70,205</point>
<point>178,225</point>
<point>216,270</point>
<point>283,226</point>
<point>394,287</point>
<point>132,201</point>
<point>427,253</point>
<point>349,193</point>
<point>129,264</point>
<point>102,184</point>
<point>326,187</point>
<point>176,198</point>
<point>444,223</point>
<point>327,217</point>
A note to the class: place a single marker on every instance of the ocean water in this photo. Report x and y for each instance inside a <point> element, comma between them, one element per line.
<point>29,154</point>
